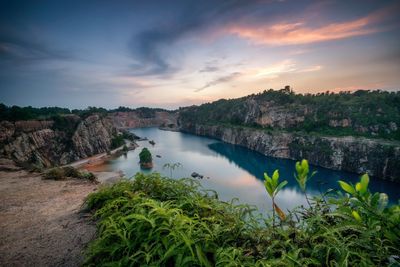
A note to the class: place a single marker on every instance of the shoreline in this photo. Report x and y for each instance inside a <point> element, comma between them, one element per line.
<point>103,177</point>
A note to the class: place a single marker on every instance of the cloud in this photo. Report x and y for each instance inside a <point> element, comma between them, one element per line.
<point>209,69</point>
<point>294,33</point>
<point>150,48</point>
<point>22,49</point>
<point>223,79</point>
<point>287,65</point>
<point>311,68</point>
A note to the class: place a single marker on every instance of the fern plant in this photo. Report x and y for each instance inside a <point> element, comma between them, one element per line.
<point>157,221</point>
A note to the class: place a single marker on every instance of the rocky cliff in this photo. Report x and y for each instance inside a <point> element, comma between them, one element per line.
<point>362,113</point>
<point>48,143</point>
<point>92,136</point>
<point>378,158</point>
<point>134,119</point>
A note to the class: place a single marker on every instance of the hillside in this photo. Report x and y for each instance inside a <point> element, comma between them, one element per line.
<point>356,132</point>
<point>374,114</point>
<point>44,137</point>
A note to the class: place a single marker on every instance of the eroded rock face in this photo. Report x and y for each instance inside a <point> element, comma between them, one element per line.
<point>93,136</point>
<point>7,130</point>
<point>133,119</point>
<point>34,147</point>
<point>269,114</point>
<point>40,143</point>
<point>47,143</point>
<point>359,155</point>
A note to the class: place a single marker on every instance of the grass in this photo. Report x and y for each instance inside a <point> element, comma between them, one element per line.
<point>157,221</point>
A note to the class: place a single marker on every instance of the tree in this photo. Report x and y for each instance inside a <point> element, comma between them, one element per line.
<point>146,160</point>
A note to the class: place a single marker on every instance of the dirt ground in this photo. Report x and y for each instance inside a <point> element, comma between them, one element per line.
<point>40,220</point>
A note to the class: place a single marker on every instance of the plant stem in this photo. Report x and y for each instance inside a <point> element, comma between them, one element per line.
<point>308,201</point>
<point>273,212</point>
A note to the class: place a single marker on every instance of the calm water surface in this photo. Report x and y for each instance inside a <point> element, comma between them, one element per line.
<point>234,171</point>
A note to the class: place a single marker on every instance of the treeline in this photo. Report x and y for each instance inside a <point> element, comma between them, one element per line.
<point>368,113</point>
<point>15,113</point>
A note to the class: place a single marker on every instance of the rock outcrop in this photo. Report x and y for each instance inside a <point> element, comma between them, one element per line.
<point>57,142</point>
<point>45,144</point>
<point>359,155</point>
<point>362,113</point>
<point>93,136</point>
<point>133,119</point>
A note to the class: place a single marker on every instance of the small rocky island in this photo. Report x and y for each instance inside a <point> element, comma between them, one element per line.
<point>146,160</point>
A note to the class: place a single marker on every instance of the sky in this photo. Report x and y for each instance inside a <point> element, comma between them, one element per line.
<point>170,53</point>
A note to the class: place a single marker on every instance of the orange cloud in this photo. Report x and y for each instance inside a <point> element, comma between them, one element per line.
<point>299,33</point>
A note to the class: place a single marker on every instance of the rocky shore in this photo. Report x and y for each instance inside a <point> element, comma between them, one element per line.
<point>379,158</point>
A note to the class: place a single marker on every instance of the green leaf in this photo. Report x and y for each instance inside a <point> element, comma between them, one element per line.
<point>313,173</point>
<point>364,183</point>
<point>269,188</point>
<point>298,167</point>
<point>356,216</point>
<point>201,257</point>
<point>304,166</point>
<point>358,187</point>
<point>383,201</point>
<point>275,177</point>
<point>279,187</point>
<point>346,187</point>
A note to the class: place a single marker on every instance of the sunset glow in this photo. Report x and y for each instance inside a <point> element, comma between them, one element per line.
<point>135,53</point>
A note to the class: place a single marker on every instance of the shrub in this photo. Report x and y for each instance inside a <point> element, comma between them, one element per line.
<point>156,221</point>
<point>87,176</point>
<point>125,149</point>
<point>55,174</point>
<point>60,173</point>
<point>70,171</point>
<point>145,156</point>
<point>117,141</point>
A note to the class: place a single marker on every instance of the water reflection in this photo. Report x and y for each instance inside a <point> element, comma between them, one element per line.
<point>234,171</point>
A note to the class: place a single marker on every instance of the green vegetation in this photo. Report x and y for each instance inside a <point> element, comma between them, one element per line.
<point>128,135</point>
<point>273,186</point>
<point>117,141</point>
<point>302,170</point>
<point>125,149</point>
<point>16,113</point>
<point>146,160</point>
<point>61,173</point>
<point>172,167</point>
<point>362,113</point>
<point>157,221</point>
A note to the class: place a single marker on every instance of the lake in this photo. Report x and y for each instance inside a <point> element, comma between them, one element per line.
<point>233,171</point>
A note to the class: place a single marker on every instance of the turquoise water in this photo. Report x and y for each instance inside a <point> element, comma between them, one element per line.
<point>233,171</point>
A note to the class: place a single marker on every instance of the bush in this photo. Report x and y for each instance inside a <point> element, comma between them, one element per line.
<point>117,141</point>
<point>55,174</point>
<point>70,171</point>
<point>125,149</point>
<point>156,221</point>
<point>145,156</point>
<point>60,173</point>
<point>87,176</point>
